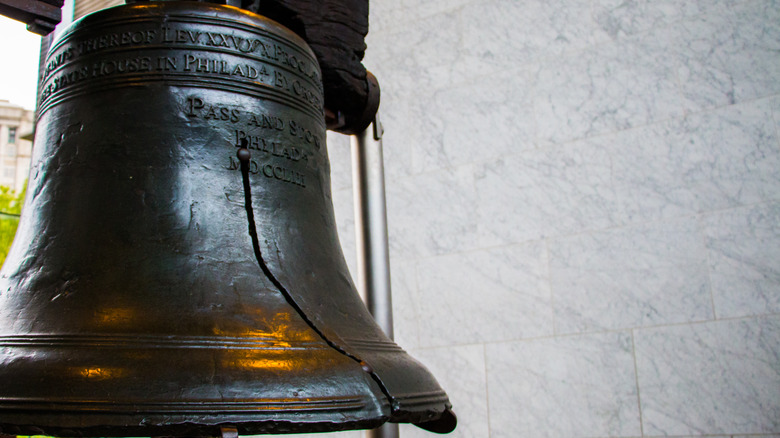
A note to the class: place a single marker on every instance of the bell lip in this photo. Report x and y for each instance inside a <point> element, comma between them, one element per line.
<point>191,429</point>
<point>446,423</point>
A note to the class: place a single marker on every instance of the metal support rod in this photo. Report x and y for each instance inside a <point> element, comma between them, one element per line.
<point>373,255</point>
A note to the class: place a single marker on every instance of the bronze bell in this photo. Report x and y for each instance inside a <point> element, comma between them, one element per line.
<point>177,270</point>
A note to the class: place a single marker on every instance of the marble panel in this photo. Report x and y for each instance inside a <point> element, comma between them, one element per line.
<point>730,55</point>
<point>648,172</point>
<point>418,54</point>
<point>410,128</point>
<point>388,15</point>
<point>620,18</point>
<point>345,223</point>
<point>461,372</point>
<point>730,156</point>
<point>753,436</point>
<point>708,161</point>
<point>401,118</point>
<point>721,7</point>
<point>643,275</point>
<point>611,87</point>
<point>384,15</point>
<point>505,34</point>
<point>776,113</point>
<point>425,8</point>
<point>431,213</point>
<point>724,436</point>
<point>340,157</point>
<point>545,193</point>
<point>341,191</point>
<point>483,296</point>
<point>489,118</point>
<point>577,386</point>
<point>744,250</point>
<point>403,281</point>
<point>711,160</point>
<point>710,378</point>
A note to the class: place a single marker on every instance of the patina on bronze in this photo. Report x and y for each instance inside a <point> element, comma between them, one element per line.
<point>177,270</point>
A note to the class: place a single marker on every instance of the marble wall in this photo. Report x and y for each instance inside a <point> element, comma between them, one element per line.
<point>584,211</point>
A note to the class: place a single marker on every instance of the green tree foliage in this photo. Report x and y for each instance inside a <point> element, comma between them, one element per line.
<point>10,208</point>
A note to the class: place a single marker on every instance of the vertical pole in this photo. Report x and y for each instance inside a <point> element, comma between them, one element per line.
<point>373,255</point>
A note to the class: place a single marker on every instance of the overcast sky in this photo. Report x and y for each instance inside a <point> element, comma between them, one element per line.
<point>19,63</point>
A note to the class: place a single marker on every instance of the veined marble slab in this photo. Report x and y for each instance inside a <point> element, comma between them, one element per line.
<point>731,54</point>
<point>431,213</point>
<point>504,34</point>
<point>406,318</point>
<point>712,378</point>
<point>345,223</point>
<point>744,259</point>
<point>461,372</point>
<point>643,275</point>
<point>620,18</point>
<point>490,117</point>
<point>606,88</point>
<point>708,161</point>
<point>482,296</point>
<point>579,386</point>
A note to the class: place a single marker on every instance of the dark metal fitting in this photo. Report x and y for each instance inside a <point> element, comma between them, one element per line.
<point>352,124</point>
<point>40,16</point>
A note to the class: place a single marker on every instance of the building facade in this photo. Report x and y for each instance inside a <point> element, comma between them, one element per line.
<point>16,125</point>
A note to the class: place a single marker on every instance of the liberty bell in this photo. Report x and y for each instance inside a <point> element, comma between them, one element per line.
<point>176,270</point>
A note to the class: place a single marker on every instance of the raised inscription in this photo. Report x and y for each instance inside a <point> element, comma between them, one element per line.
<point>237,56</point>
<point>274,148</point>
<point>265,49</point>
<point>197,107</point>
<point>188,63</point>
<point>120,39</point>
<point>271,171</point>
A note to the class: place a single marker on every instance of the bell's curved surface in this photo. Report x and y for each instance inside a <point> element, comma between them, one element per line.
<point>160,285</point>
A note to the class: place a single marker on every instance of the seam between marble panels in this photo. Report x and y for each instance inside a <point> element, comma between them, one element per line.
<point>676,324</point>
<point>776,116</point>
<point>549,285</point>
<point>416,291</point>
<point>715,108</point>
<point>703,238</point>
<point>731,435</point>
<point>540,144</point>
<point>602,332</point>
<point>695,215</point>
<point>480,249</point>
<point>487,388</point>
<point>654,122</point>
<point>636,382</point>
<point>702,322</point>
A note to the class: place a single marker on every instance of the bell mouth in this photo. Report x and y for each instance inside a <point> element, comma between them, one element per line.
<point>444,424</point>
